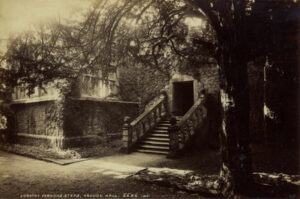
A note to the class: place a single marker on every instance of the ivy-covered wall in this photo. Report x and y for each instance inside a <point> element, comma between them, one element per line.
<point>70,123</point>
<point>141,83</point>
<point>84,118</point>
<point>36,123</point>
<point>38,118</point>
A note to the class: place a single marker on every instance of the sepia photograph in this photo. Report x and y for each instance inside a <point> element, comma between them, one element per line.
<point>149,99</point>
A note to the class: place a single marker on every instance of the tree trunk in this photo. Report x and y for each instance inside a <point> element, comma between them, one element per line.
<point>236,169</point>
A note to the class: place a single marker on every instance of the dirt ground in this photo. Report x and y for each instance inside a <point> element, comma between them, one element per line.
<point>106,177</point>
<point>22,177</point>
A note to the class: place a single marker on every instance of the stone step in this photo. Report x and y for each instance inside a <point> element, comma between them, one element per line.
<point>164,122</point>
<point>160,131</point>
<point>153,151</point>
<point>160,139</point>
<point>156,143</point>
<point>162,128</point>
<point>156,147</point>
<point>165,135</point>
<point>164,125</point>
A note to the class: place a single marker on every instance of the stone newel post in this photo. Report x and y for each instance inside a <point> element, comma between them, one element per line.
<point>174,141</point>
<point>127,135</point>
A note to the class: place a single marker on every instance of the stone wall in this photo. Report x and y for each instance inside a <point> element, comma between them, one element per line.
<point>76,123</point>
<point>40,118</point>
<point>141,83</point>
<point>95,121</point>
<point>37,123</point>
<point>209,78</point>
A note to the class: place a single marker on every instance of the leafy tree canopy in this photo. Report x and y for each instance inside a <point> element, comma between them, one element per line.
<point>109,35</point>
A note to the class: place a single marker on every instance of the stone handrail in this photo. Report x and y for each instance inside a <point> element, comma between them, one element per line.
<point>181,132</point>
<point>138,128</point>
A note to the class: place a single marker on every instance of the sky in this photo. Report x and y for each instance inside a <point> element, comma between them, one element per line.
<point>16,16</point>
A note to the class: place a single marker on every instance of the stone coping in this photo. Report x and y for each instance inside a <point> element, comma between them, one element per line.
<point>34,100</point>
<point>97,99</point>
<point>83,98</point>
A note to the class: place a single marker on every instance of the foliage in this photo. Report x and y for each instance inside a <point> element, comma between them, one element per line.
<point>108,36</point>
<point>64,49</point>
<point>161,45</point>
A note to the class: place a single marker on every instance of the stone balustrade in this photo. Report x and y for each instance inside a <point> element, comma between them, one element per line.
<point>138,128</point>
<point>181,132</point>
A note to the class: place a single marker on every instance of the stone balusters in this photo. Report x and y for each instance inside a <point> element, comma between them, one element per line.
<point>181,133</point>
<point>174,138</point>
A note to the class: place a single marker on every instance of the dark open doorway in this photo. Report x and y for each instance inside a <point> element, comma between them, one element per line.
<point>183,97</point>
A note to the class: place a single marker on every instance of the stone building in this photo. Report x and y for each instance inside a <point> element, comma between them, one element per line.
<point>91,114</point>
<point>192,100</point>
<point>94,112</point>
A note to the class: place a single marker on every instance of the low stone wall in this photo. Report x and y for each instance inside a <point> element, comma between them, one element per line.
<point>74,124</point>
<point>102,118</point>
<point>36,123</point>
<point>38,118</point>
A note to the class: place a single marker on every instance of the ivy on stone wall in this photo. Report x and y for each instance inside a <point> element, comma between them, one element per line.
<point>82,118</point>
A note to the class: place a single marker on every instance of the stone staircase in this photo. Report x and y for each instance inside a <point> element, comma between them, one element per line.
<point>157,141</point>
<point>149,132</point>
